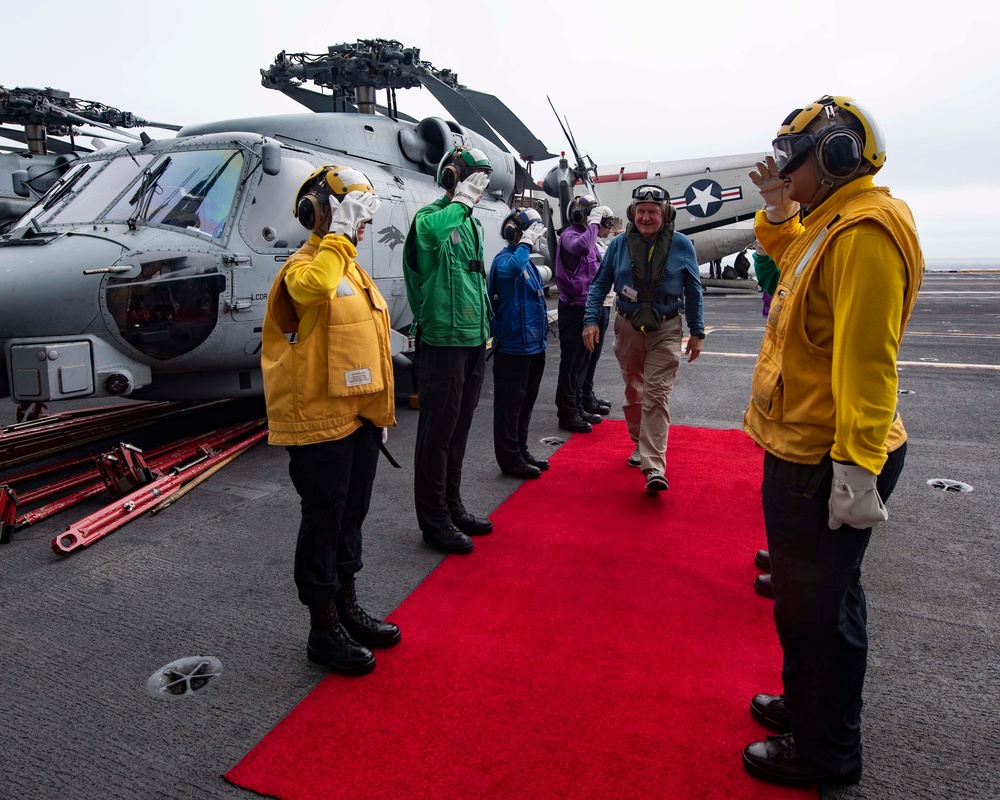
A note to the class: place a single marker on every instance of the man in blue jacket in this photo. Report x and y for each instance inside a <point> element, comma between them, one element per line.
<point>520,329</point>
<point>654,272</point>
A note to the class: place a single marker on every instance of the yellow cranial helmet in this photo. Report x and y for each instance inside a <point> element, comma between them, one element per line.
<point>844,137</point>
<point>312,207</point>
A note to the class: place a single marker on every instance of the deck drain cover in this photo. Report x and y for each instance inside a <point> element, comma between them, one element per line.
<point>184,677</point>
<point>948,485</point>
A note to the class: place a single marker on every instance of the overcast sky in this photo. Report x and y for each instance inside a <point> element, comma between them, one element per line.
<point>637,80</point>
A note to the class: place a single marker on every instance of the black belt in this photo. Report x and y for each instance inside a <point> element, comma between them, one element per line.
<point>664,318</point>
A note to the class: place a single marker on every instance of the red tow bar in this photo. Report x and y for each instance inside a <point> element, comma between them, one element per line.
<point>112,517</point>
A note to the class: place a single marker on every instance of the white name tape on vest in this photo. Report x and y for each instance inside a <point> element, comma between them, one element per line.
<point>358,377</point>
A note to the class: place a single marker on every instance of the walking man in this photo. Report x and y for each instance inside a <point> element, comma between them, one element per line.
<point>654,272</point>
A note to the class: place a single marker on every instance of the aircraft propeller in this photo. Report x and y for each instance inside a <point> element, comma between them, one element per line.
<point>561,179</point>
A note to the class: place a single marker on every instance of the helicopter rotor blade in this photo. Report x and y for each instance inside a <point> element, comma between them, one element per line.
<point>508,125</point>
<point>460,108</point>
<point>328,103</point>
<point>164,126</point>
<point>55,146</point>
<point>89,122</point>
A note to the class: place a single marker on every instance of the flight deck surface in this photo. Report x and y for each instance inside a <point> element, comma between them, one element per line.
<point>211,576</point>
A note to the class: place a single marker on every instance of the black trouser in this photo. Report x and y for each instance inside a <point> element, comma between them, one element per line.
<point>572,360</point>
<point>587,396</point>
<point>516,379</point>
<point>819,608</point>
<point>449,382</point>
<point>334,481</point>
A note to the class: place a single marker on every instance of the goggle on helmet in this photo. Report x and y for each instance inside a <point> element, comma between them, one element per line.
<point>813,128</point>
<point>650,193</point>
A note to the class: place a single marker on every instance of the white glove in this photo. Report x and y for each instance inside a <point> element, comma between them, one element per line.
<point>597,213</point>
<point>470,191</point>
<point>854,499</point>
<point>534,232</point>
<point>352,212</point>
<point>778,206</point>
<point>385,435</point>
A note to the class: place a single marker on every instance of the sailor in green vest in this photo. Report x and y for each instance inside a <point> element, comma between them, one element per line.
<point>446,287</point>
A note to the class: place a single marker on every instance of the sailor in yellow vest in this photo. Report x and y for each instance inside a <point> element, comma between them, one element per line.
<point>328,384</point>
<point>823,407</point>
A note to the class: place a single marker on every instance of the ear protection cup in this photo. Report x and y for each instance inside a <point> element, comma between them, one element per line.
<point>510,231</point>
<point>449,178</point>
<point>313,212</point>
<point>308,211</point>
<point>839,153</point>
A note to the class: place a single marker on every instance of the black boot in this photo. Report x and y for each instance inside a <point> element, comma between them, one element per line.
<point>363,627</point>
<point>332,646</point>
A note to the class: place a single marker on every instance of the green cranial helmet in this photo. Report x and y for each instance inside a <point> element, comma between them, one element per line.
<point>459,163</point>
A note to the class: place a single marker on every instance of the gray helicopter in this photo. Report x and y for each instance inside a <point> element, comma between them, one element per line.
<point>144,270</point>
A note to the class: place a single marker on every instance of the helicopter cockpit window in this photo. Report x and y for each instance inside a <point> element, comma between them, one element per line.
<point>171,306</point>
<point>92,193</point>
<point>194,191</point>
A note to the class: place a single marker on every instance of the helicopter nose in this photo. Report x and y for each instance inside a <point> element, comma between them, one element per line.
<point>43,288</point>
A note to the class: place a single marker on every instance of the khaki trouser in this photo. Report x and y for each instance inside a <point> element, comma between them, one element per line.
<point>649,363</point>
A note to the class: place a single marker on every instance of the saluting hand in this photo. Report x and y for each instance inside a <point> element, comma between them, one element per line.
<point>778,206</point>
<point>353,213</point>
<point>470,191</point>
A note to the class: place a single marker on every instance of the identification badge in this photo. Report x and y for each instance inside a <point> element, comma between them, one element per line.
<point>344,288</point>
<point>358,377</point>
<point>629,294</point>
<point>456,237</point>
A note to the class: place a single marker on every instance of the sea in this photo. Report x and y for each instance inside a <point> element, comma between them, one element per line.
<point>932,265</point>
<point>962,264</point>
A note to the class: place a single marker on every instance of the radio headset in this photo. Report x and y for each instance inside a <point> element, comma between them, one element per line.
<point>838,152</point>
<point>578,213</point>
<point>313,208</point>
<point>669,212</point>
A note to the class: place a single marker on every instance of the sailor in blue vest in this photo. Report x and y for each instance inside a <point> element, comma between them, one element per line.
<point>519,328</point>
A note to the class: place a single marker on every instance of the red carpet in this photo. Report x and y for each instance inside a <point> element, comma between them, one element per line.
<point>602,643</point>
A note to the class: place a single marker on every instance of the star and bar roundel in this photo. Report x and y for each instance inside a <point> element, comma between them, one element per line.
<point>705,197</point>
